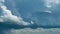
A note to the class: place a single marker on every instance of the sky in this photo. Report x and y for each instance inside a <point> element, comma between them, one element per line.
<point>34,16</point>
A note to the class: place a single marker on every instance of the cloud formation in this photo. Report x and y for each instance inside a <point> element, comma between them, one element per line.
<point>41,19</point>
<point>7,16</point>
<point>17,22</point>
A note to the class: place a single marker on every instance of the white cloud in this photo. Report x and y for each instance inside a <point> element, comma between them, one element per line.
<point>7,16</point>
<point>49,2</point>
<point>48,11</point>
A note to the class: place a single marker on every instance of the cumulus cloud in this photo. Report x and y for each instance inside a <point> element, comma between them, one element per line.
<point>7,15</point>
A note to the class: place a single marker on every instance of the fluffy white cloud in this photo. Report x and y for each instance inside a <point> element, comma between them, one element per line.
<point>7,16</point>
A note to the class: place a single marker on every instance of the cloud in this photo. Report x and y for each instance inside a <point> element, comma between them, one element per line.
<point>36,31</point>
<point>7,16</point>
<point>17,22</point>
<point>41,19</point>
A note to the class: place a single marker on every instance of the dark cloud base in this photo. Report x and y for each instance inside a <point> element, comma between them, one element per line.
<point>5,26</point>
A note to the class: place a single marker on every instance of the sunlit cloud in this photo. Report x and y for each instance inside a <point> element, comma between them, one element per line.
<point>7,16</point>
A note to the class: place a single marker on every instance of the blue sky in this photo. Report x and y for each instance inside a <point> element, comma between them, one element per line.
<point>38,11</point>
